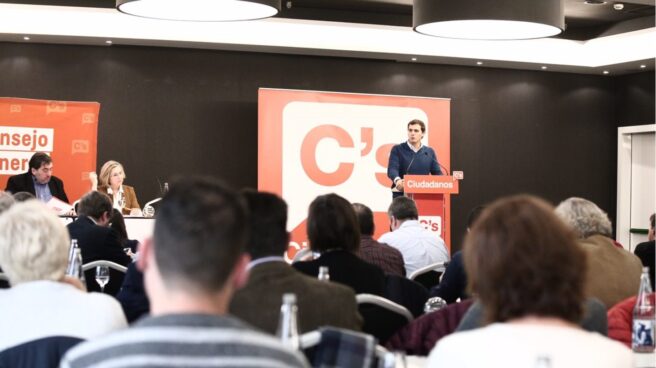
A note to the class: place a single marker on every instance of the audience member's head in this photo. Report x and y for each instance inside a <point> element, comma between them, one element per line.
<point>6,201</point>
<point>521,260</point>
<point>33,243</point>
<point>199,239</point>
<point>332,224</point>
<point>584,217</point>
<point>268,224</point>
<point>117,222</point>
<point>652,230</point>
<point>23,196</point>
<point>402,209</point>
<point>474,214</point>
<point>96,205</point>
<point>365,219</point>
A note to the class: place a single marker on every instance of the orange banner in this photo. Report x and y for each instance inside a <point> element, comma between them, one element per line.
<point>312,143</point>
<point>67,131</point>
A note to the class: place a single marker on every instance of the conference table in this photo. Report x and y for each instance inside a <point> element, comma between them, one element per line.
<point>138,228</point>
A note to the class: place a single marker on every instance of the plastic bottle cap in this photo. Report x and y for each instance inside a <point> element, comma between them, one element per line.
<point>289,298</point>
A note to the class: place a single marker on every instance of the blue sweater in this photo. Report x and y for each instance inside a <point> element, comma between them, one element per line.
<point>404,160</point>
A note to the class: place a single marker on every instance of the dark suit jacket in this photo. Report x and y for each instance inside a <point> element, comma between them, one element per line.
<point>99,243</point>
<point>319,303</point>
<point>132,295</point>
<point>25,183</point>
<point>454,281</point>
<point>346,268</point>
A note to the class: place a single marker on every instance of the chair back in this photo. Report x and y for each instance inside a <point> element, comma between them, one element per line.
<point>116,276</point>
<point>42,353</point>
<point>335,347</point>
<point>382,317</point>
<point>4,281</point>
<point>408,293</point>
<point>429,275</point>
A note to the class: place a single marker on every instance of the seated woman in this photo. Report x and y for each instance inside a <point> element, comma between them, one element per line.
<point>524,265</point>
<point>110,182</point>
<point>333,231</point>
<point>42,302</point>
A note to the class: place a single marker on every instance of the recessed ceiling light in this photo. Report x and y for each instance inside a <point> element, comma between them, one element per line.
<point>414,59</point>
<point>479,63</point>
<point>544,67</point>
<point>606,72</point>
<point>643,66</point>
<point>26,38</point>
<point>109,42</point>
<point>594,2</point>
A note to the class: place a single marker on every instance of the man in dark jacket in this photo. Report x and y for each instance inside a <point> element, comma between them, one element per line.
<point>39,180</point>
<point>96,240</point>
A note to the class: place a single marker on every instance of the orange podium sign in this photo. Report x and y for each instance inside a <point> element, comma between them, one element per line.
<point>431,193</point>
<point>430,184</point>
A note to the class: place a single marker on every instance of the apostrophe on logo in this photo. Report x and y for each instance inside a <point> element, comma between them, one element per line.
<point>80,146</point>
<point>55,106</point>
<point>15,108</point>
<point>88,118</point>
<point>432,223</point>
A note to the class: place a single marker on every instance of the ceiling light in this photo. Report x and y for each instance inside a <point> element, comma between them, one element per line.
<point>544,67</point>
<point>414,59</point>
<point>488,20</point>
<point>200,10</point>
<point>109,42</point>
<point>643,66</point>
<point>606,72</point>
<point>479,63</point>
<point>594,2</point>
<point>26,38</point>
<point>618,6</point>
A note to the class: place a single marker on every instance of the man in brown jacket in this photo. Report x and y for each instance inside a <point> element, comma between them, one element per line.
<point>320,303</point>
<point>613,273</point>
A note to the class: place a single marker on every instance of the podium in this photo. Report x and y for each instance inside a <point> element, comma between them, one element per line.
<point>432,194</point>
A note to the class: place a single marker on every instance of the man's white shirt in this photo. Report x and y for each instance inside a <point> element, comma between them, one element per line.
<point>418,246</point>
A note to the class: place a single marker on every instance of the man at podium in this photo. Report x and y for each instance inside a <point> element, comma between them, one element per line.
<point>411,157</point>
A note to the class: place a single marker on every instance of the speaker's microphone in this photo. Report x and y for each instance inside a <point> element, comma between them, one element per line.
<point>438,164</point>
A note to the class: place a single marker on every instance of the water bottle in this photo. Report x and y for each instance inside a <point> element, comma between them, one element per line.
<point>323,274</point>
<point>76,266</point>
<point>644,317</point>
<point>166,189</point>
<point>71,258</point>
<point>288,323</point>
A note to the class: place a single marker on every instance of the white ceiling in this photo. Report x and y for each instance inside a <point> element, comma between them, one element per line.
<point>618,53</point>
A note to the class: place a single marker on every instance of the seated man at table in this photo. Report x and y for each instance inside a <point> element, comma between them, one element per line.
<point>191,269</point>
<point>258,303</point>
<point>39,180</point>
<point>418,246</point>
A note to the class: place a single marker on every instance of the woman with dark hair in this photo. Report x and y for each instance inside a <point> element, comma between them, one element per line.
<point>333,231</point>
<point>523,264</point>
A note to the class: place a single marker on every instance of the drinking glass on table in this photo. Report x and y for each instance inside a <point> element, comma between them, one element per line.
<point>102,277</point>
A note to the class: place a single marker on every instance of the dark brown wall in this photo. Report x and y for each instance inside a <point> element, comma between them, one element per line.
<point>168,111</point>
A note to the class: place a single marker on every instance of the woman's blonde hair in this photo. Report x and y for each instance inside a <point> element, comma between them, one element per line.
<point>106,171</point>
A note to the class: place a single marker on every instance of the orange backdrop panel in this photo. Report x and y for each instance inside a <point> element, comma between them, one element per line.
<point>312,143</point>
<point>65,130</point>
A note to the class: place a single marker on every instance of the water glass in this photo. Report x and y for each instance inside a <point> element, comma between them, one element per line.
<point>102,277</point>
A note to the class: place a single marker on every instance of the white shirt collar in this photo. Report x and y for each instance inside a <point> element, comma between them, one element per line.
<point>412,148</point>
<point>259,261</point>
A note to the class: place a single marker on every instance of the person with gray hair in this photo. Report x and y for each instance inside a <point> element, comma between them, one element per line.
<point>42,301</point>
<point>6,201</point>
<point>613,273</point>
